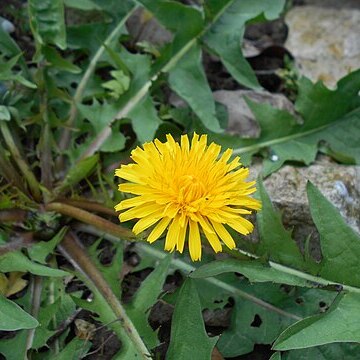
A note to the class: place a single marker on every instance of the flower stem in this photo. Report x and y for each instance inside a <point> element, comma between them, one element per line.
<point>89,205</point>
<point>72,249</point>
<point>23,166</point>
<point>92,219</point>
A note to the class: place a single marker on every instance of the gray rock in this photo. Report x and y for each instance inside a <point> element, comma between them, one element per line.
<point>340,184</point>
<point>241,119</point>
<point>143,27</point>
<point>324,41</point>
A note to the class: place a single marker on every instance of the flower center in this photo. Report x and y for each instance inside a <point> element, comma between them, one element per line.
<point>191,189</point>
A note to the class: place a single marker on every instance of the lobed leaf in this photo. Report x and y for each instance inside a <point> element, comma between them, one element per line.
<point>13,317</point>
<point>188,336</point>
<point>321,329</point>
<point>47,22</point>
<point>340,245</point>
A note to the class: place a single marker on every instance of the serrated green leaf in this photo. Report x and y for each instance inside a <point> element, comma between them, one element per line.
<point>250,325</point>
<point>119,85</point>
<point>13,317</point>
<point>77,173</point>
<point>330,116</point>
<point>47,22</point>
<point>340,245</point>
<point>188,80</point>
<point>254,270</point>
<point>76,349</point>
<point>188,336</point>
<point>275,242</point>
<point>7,74</point>
<point>341,323</point>
<point>14,348</point>
<point>145,298</point>
<point>100,116</point>
<point>145,120</point>
<point>276,356</point>
<point>225,36</point>
<point>4,113</point>
<point>82,4</point>
<point>17,261</point>
<point>58,62</point>
<point>40,250</point>
<point>334,351</point>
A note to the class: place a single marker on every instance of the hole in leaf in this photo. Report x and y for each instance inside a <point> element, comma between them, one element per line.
<point>257,321</point>
<point>299,300</point>
<point>322,304</point>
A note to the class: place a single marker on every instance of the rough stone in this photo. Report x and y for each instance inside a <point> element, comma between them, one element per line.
<point>324,41</point>
<point>340,184</point>
<point>143,27</point>
<point>241,119</point>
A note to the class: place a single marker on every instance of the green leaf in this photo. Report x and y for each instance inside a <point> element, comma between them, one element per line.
<point>15,347</point>
<point>7,74</point>
<point>145,298</point>
<point>82,4</point>
<point>4,113</point>
<point>74,350</point>
<point>119,85</point>
<point>330,116</point>
<point>225,36</point>
<point>17,261</point>
<point>188,80</point>
<point>40,250</point>
<point>341,323</point>
<point>188,336</point>
<point>13,317</point>
<point>253,270</point>
<point>77,173</point>
<point>340,244</point>
<point>100,116</point>
<point>47,22</point>
<point>276,356</point>
<point>334,351</point>
<point>275,242</point>
<point>250,325</point>
<point>57,61</point>
<point>145,120</point>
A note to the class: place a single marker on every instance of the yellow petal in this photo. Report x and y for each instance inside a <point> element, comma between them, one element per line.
<point>158,229</point>
<point>213,239</point>
<point>146,222</point>
<point>224,234</point>
<point>181,238</point>
<point>194,241</point>
<point>139,212</point>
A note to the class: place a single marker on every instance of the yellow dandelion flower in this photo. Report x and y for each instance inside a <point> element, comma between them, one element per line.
<point>187,189</point>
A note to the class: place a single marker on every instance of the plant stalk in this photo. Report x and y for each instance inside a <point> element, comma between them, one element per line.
<point>22,164</point>
<point>46,160</point>
<point>73,250</point>
<point>92,219</point>
<point>9,172</point>
<point>89,205</point>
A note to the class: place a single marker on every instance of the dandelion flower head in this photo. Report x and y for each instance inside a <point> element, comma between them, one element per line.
<point>188,189</point>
